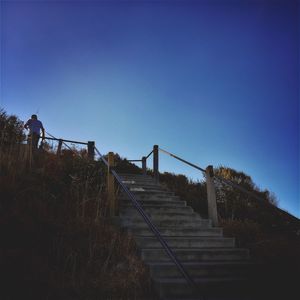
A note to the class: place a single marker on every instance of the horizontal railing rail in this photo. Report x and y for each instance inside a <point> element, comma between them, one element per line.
<point>134,160</point>
<point>149,155</point>
<point>65,141</point>
<point>148,221</point>
<point>90,144</point>
<point>182,160</point>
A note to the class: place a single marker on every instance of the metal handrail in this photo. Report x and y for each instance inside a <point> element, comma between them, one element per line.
<point>63,140</point>
<point>53,138</point>
<point>134,160</point>
<point>149,154</point>
<point>140,160</point>
<point>148,221</point>
<point>181,159</point>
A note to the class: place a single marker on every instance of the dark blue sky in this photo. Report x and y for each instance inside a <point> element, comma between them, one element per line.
<point>216,82</point>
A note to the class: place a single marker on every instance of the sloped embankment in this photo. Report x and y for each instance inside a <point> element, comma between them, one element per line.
<point>55,240</point>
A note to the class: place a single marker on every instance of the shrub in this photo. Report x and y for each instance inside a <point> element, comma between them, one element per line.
<point>11,129</point>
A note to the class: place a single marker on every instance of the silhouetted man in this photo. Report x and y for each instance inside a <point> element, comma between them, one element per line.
<point>35,127</point>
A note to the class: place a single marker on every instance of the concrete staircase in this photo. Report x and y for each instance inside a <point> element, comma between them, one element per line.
<point>219,269</point>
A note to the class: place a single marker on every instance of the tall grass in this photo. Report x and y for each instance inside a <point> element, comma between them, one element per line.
<point>56,239</point>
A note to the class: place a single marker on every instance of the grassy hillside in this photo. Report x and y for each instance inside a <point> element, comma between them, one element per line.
<point>56,240</point>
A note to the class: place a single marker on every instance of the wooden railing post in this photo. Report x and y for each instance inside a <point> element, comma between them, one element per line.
<point>111,186</point>
<point>144,165</point>
<point>91,150</point>
<point>58,152</point>
<point>211,196</point>
<point>155,163</point>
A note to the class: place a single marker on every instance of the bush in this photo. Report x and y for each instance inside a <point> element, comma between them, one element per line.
<point>11,129</point>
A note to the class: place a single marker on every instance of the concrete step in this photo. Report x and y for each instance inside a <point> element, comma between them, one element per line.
<point>145,186</point>
<point>131,182</point>
<point>151,192</point>
<point>186,242</point>
<point>186,210</point>
<point>127,175</point>
<point>200,269</point>
<point>140,227</point>
<point>196,254</point>
<point>146,183</point>
<point>149,196</point>
<point>122,197</point>
<point>161,216</point>
<point>166,202</point>
<point>178,288</point>
<point>175,231</point>
<point>139,179</point>
<point>166,222</point>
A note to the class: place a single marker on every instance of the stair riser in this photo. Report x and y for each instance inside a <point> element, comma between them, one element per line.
<point>160,210</point>
<point>154,203</point>
<point>216,232</point>
<point>187,243</point>
<point>139,181</point>
<point>152,255</point>
<point>163,223</point>
<point>137,177</point>
<point>147,190</point>
<point>148,193</point>
<point>148,185</point>
<point>163,217</point>
<point>150,196</point>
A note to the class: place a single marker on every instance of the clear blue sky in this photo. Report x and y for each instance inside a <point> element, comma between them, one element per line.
<point>216,82</point>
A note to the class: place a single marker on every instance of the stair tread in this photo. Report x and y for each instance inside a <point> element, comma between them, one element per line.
<point>151,207</point>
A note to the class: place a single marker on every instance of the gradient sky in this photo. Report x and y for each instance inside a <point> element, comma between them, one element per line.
<point>216,82</point>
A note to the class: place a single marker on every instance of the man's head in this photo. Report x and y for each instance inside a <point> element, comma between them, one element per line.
<point>34,117</point>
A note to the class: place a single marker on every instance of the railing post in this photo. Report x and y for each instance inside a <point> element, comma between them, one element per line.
<point>111,185</point>
<point>91,150</point>
<point>211,196</point>
<point>155,163</point>
<point>58,152</point>
<point>144,165</point>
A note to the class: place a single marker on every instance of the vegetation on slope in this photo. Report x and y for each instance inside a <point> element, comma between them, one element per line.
<point>58,244</point>
<point>271,234</point>
<point>56,240</point>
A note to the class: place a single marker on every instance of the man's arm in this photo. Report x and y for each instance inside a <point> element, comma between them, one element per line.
<point>43,132</point>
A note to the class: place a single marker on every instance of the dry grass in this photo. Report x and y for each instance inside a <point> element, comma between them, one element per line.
<point>276,253</point>
<point>56,240</point>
